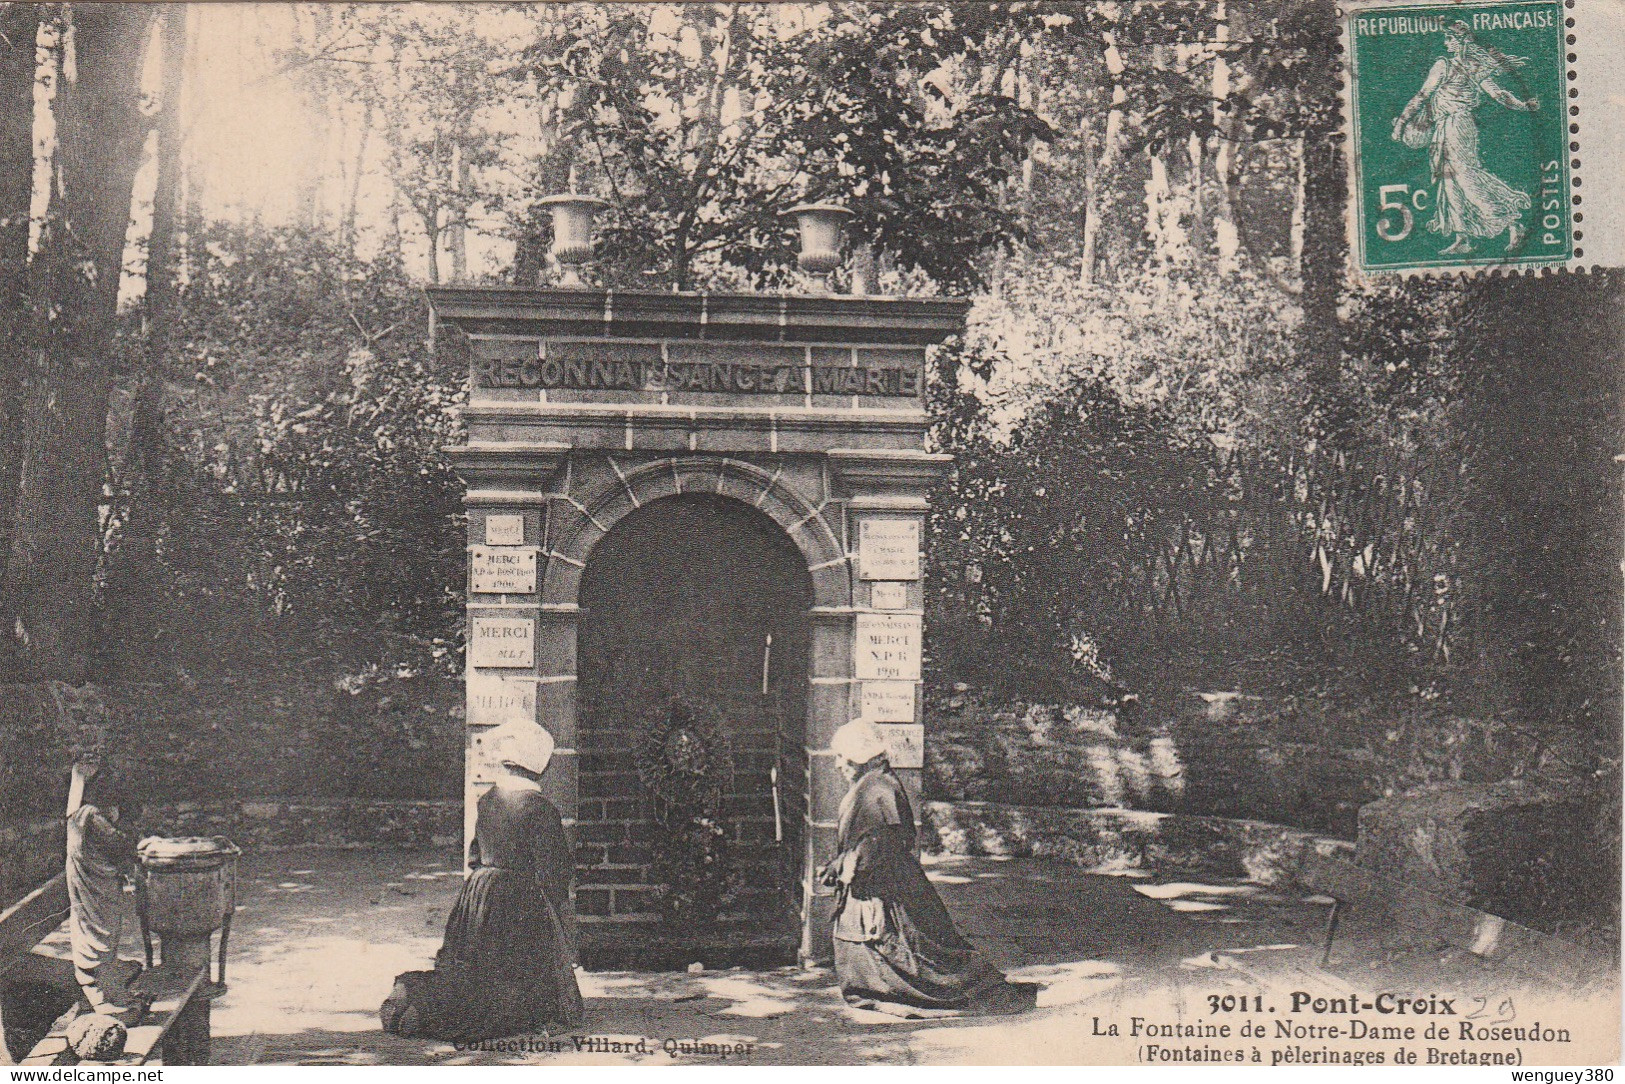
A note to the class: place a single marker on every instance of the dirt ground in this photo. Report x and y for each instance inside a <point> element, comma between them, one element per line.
<point>322,933</point>
<point>1131,967</point>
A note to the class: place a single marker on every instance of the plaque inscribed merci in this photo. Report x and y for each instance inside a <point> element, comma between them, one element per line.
<point>494,700</point>
<point>504,529</point>
<point>887,701</point>
<point>887,648</point>
<point>888,595</point>
<point>905,744</point>
<point>503,570</point>
<point>889,549</point>
<point>503,642</point>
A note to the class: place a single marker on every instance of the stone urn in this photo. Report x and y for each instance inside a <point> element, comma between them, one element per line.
<point>821,226</point>
<point>573,217</point>
<point>188,891</point>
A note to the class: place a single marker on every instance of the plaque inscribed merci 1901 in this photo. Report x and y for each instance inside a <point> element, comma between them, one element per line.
<point>503,570</point>
<point>503,642</point>
<point>889,549</point>
<point>888,647</point>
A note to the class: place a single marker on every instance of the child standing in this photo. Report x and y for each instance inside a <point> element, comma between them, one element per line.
<point>99,855</point>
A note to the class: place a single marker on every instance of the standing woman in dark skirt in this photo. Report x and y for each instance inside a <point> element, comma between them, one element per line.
<point>506,966</point>
<point>896,949</point>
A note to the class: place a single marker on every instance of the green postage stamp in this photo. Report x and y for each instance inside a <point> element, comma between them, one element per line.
<point>1460,129</point>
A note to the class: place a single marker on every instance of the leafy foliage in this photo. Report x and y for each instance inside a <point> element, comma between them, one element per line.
<point>309,545</point>
<point>1187,451</point>
<point>704,122</point>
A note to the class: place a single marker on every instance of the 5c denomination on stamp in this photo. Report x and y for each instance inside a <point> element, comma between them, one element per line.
<point>1459,151</point>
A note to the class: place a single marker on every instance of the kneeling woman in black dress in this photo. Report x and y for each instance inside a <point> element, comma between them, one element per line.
<point>896,949</point>
<point>506,966</point>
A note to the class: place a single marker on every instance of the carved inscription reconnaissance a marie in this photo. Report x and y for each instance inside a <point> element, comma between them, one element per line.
<point>723,377</point>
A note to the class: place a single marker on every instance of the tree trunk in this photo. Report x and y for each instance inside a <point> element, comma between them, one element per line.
<point>1325,241</point>
<point>456,229</point>
<point>431,232</point>
<point>19,23</point>
<point>162,286</point>
<point>1324,254</point>
<point>147,419</point>
<point>1201,231</point>
<point>1224,146</point>
<point>347,229</point>
<point>48,606</point>
<point>1119,207</point>
<point>1091,209</point>
<point>19,26</point>
<point>191,254</point>
<point>310,166</point>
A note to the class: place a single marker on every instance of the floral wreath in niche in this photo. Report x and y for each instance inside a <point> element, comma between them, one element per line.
<point>685,763</point>
<point>687,766</point>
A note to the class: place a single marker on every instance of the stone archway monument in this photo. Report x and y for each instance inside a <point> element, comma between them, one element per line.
<point>806,414</point>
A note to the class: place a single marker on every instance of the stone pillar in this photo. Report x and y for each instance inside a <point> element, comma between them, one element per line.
<point>519,666</point>
<point>866,657</point>
<point>829,706</point>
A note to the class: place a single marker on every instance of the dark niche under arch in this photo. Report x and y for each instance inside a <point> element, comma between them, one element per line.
<point>678,601</point>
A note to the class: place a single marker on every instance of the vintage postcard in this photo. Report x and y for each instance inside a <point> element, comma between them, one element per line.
<point>857,533</point>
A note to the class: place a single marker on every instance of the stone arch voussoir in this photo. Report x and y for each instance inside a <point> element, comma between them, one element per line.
<point>614,493</point>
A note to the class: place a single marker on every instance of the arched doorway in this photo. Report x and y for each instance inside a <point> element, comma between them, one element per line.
<point>693,642</point>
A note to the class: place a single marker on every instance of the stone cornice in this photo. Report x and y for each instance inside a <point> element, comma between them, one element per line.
<point>649,314</point>
<point>866,472</point>
<point>482,464</point>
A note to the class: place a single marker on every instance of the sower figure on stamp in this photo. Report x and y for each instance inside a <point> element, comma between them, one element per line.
<point>896,949</point>
<point>100,860</point>
<point>1468,201</point>
<point>506,966</point>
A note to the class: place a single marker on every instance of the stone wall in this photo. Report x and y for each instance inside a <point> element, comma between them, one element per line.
<point>1218,755</point>
<point>1116,841</point>
<point>273,823</point>
<point>30,852</point>
<point>1511,848</point>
